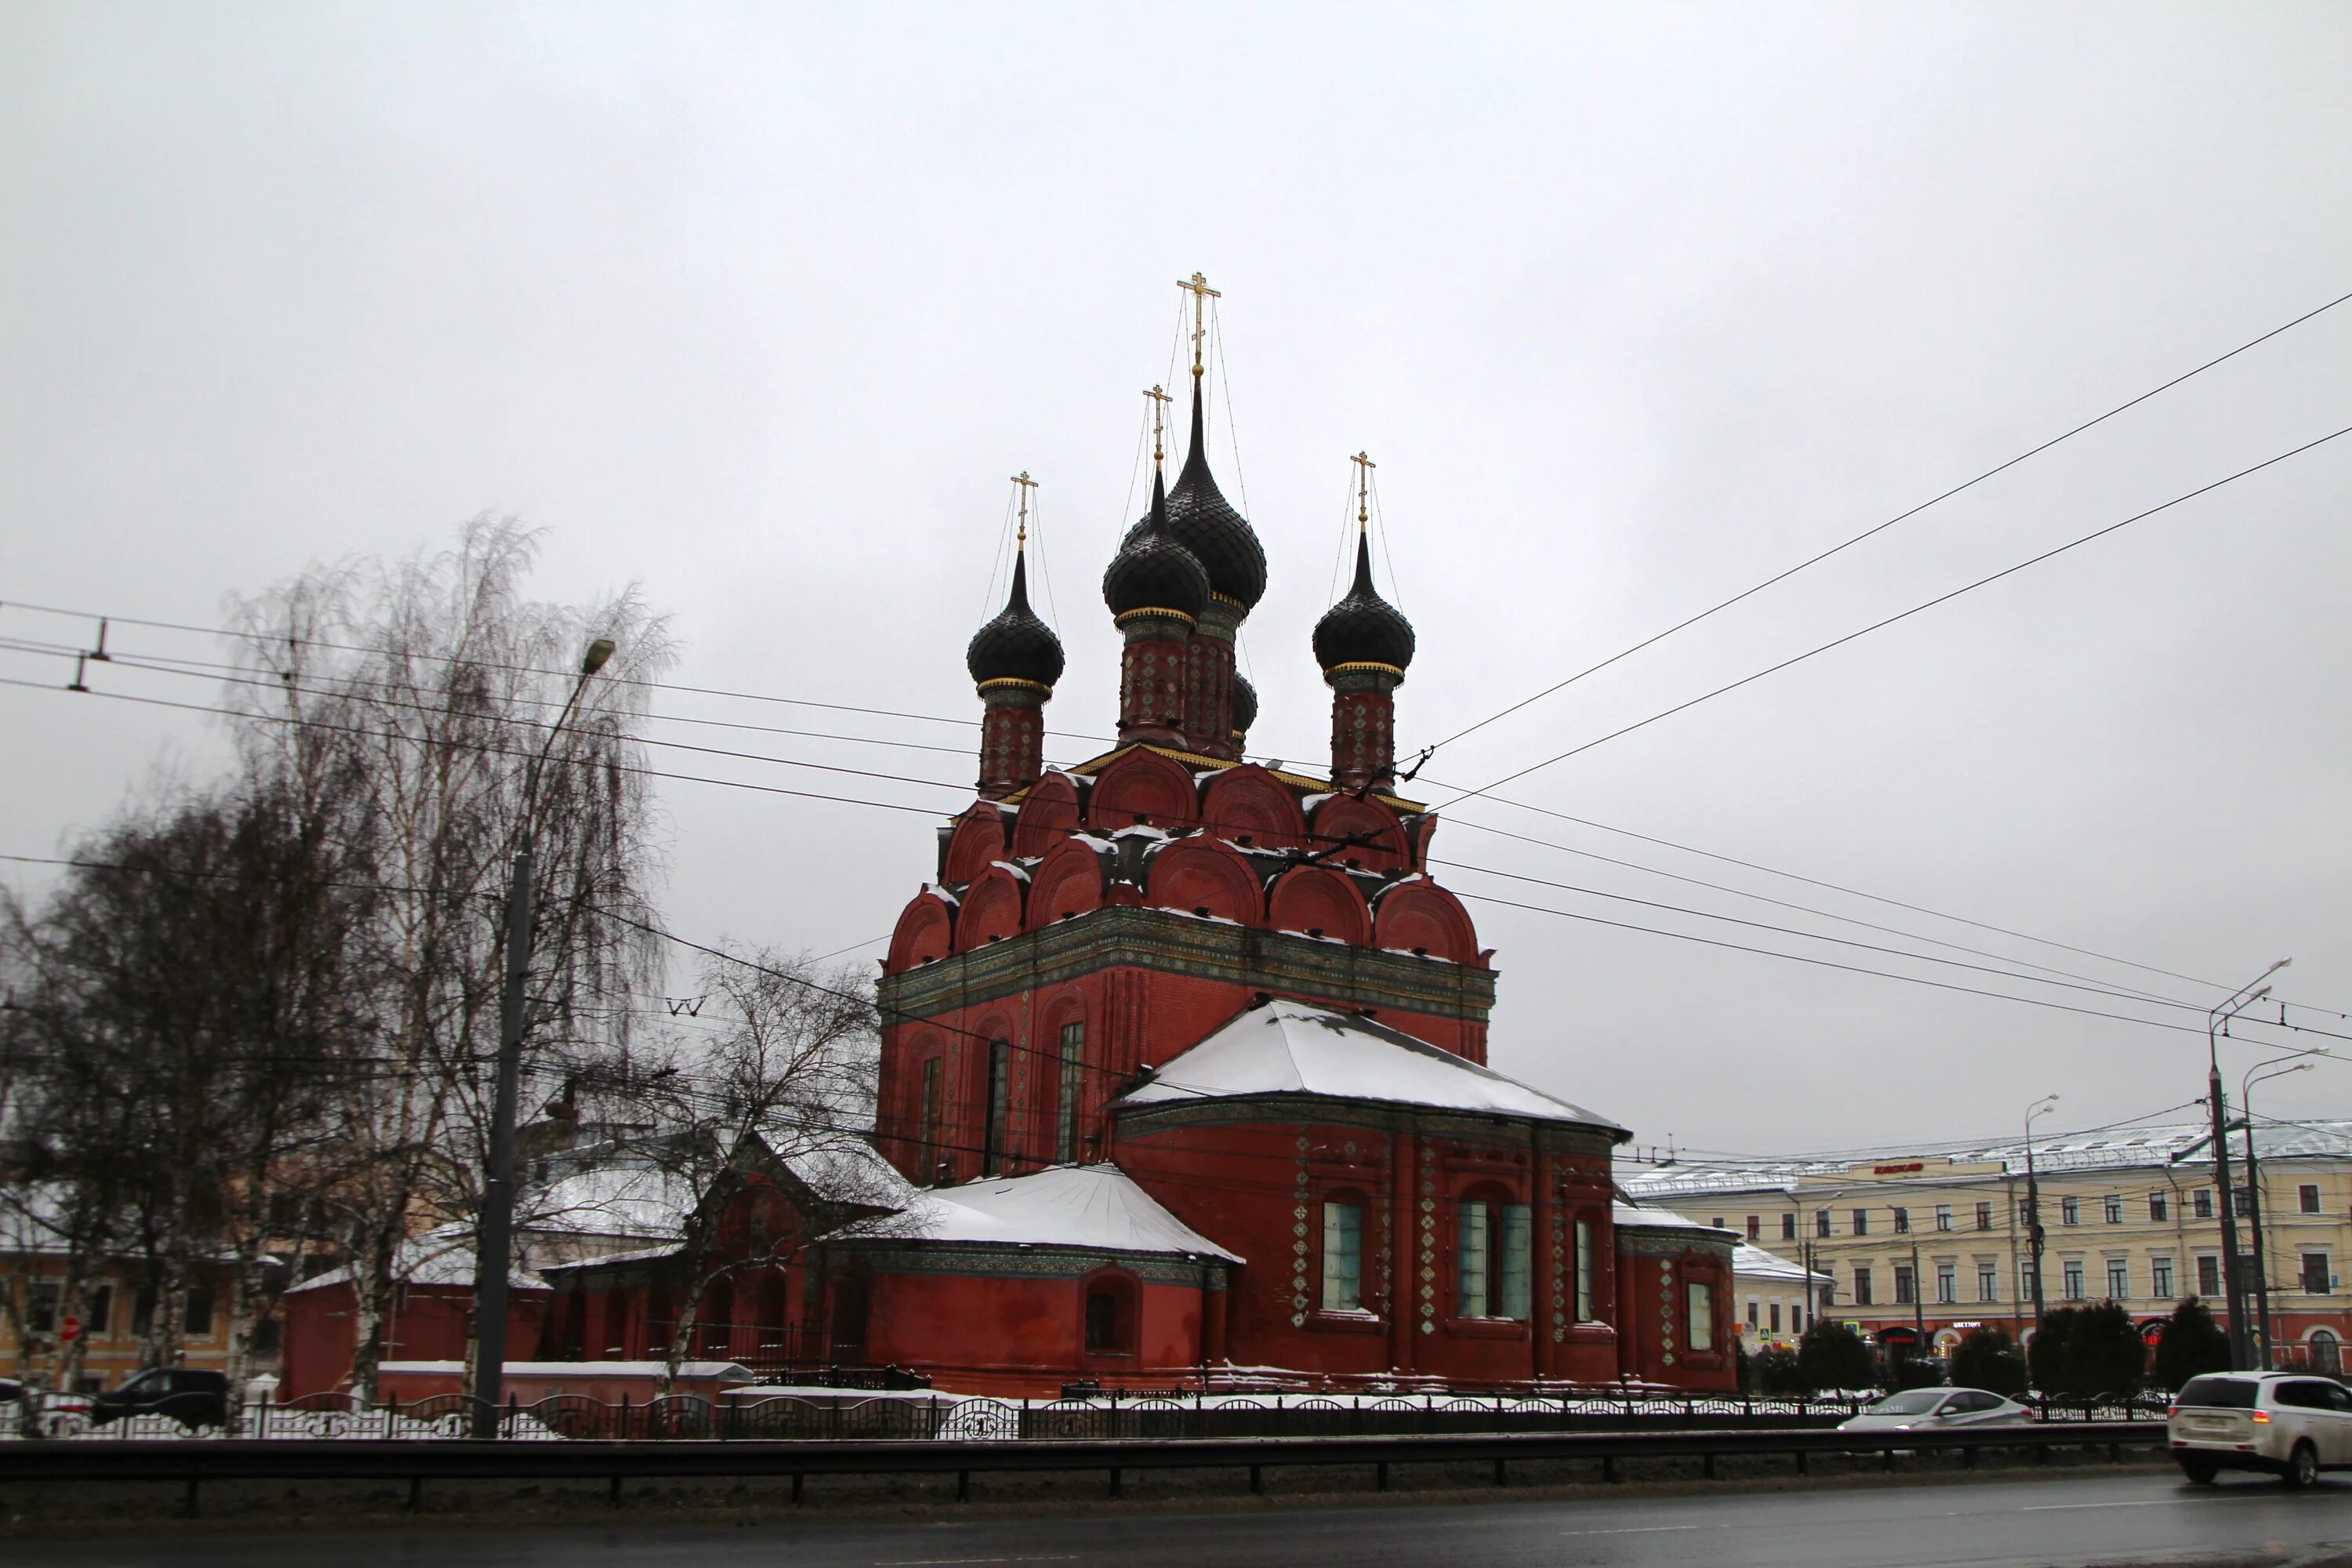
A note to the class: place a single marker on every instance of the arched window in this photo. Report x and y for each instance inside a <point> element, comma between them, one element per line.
<point>1343,1253</point>
<point>1110,1314</point>
<point>2327,1351</point>
<point>1069,1068</point>
<point>1492,1256</point>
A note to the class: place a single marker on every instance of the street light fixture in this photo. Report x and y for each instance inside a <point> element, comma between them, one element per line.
<point>2232,1277</point>
<point>2034,1231</point>
<point>2255,1075</point>
<point>495,1241</point>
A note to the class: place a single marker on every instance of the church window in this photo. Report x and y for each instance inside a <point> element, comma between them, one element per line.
<point>928,1123</point>
<point>1066,1127</point>
<point>1343,1258</point>
<point>1109,1322</point>
<point>1701,1316</point>
<point>1584,1271</point>
<point>1476,1260</point>
<point>994,1156</point>
<point>1493,1260</point>
<point>1517,1234</point>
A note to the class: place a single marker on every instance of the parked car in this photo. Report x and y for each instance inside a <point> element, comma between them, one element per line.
<point>1921,1409</point>
<point>2290,1424</point>
<point>191,1398</point>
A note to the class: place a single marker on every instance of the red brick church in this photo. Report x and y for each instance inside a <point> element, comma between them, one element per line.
<point>1189,1053</point>
<point>1183,1065</point>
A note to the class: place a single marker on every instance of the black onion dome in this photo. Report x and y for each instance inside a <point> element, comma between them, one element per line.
<point>1016,645</point>
<point>1363,627</point>
<point>1152,570</point>
<point>1244,704</point>
<point>1205,522</point>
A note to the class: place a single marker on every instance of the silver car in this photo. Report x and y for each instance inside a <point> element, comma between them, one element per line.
<point>1938,1409</point>
<point>2290,1424</point>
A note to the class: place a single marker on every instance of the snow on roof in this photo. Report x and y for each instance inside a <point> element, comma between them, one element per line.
<point>436,1258</point>
<point>631,1200</point>
<point>2150,1147</point>
<point>1638,1216</point>
<point>1096,1207</point>
<point>846,1169</point>
<point>1749,1261</point>
<point>1295,1047</point>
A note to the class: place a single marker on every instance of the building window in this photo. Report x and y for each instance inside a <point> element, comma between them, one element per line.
<point>1066,1122</point>
<point>1516,1271</point>
<point>2315,1281</point>
<point>41,1308</point>
<point>1822,1222</point>
<point>1492,1266</point>
<point>1775,1310</point>
<point>1343,1258</point>
<point>1788,1226</point>
<point>1701,1329</point>
<point>97,1310</point>
<point>1902,1222</point>
<point>1947,1284</point>
<point>2115,1208</point>
<point>1987,1282</point>
<point>928,1123</point>
<point>1109,1313</point>
<point>1984,1216</point>
<point>1903,1287</point>
<point>1584,1271</point>
<point>2071,1271</point>
<point>1755,1314</point>
<point>1755,1228</point>
<point>2159,1279</point>
<point>2118,1280</point>
<point>1943,1217</point>
<point>196,1313</point>
<point>2024,1211</point>
<point>1717,1223</point>
<point>2209,1276</point>
<point>1861,1285</point>
<point>2070,1211</point>
<point>995,1155</point>
<point>2028,1282</point>
<point>2159,1209</point>
<point>1796,1319</point>
<point>1861,1221</point>
<point>2201,1203</point>
<point>2307,1197</point>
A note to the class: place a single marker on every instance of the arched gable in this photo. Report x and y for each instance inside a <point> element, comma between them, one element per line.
<point>1250,806</point>
<point>1049,813</point>
<point>1420,917</point>
<point>991,909</point>
<point>1141,786</point>
<point>925,933</point>
<point>1205,877</point>
<point>977,840</point>
<point>1068,881</point>
<point>1341,816</point>
<point>1319,902</point>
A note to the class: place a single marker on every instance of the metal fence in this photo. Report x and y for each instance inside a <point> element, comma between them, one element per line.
<point>946,1417</point>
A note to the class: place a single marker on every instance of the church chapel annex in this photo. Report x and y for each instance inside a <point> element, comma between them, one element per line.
<point>1188,1054</point>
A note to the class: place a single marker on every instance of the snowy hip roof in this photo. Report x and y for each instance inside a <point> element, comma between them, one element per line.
<point>1092,1206</point>
<point>1296,1048</point>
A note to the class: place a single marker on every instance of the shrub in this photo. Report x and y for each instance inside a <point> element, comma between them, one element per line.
<point>1832,1355</point>
<point>1988,1359</point>
<point>1908,1371</point>
<point>1776,1371</point>
<point>2087,1352</point>
<point>2192,1343</point>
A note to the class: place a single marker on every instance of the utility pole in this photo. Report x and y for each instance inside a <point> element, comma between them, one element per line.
<point>494,1242</point>
<point>2233,1277</point>
<point>1918,1304</point>
<point>2034,1233</point>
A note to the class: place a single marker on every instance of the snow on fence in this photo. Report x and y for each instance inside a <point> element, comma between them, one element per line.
<point>980,1419</point>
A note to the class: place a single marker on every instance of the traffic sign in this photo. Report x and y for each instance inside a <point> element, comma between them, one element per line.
<point>71,1329</point>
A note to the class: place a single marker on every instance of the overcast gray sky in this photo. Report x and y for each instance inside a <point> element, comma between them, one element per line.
<point>1634,306</point>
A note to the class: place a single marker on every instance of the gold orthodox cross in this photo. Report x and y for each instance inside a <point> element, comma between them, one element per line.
<point>1198,287</point>
<point>1159,401</point>
<point>1026,484</point>
<point>1364,467</point>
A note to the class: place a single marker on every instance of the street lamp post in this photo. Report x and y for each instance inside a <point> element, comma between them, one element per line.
<point>494,1242</point>
<point>2233,1279</point>
<point>2255,1075</point>
<point>2034,1231</point>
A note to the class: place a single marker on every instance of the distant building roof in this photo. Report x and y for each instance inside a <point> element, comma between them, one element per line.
<point>2115,1150</point>
<point>1294,1047</point>
<point>1749,1261</point>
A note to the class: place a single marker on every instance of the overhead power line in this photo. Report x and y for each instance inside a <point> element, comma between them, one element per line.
<point>1902,516</point>
<point>1904,614</point>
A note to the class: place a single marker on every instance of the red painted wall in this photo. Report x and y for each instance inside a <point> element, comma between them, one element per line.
<point>427,1324</point>
<point>999,1333</point>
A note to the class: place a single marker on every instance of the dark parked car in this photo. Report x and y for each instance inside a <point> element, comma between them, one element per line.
<point>190,1397</point>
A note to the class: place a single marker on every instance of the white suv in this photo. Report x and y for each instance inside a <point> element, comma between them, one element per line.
<point>2290,1424</point>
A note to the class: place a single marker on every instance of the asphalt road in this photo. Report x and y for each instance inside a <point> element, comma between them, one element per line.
<point>2107,1520</point>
